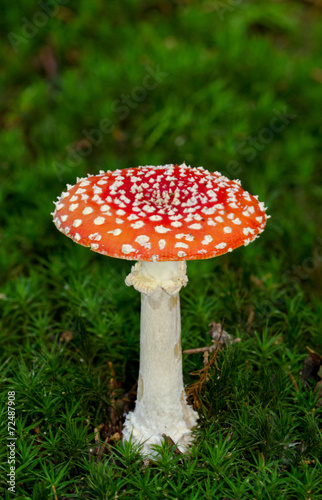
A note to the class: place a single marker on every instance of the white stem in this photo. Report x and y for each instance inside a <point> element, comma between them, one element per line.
<point>161,406</point>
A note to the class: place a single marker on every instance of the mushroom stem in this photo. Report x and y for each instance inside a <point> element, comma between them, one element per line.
<point>161,406</point>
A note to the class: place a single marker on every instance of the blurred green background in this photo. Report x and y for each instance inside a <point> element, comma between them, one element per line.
<point>234,86</point>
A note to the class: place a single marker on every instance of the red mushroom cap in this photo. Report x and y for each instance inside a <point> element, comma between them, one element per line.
<point>171,212</point>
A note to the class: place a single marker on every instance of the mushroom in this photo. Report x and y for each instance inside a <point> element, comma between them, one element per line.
<point>161,217</point>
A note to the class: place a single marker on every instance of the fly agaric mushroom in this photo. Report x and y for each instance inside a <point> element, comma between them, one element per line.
<point>161,217</point>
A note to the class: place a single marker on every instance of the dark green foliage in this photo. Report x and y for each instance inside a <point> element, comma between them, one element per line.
<point>237,87</point>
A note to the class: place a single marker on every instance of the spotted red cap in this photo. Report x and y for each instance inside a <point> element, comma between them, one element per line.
<point>170,212</point>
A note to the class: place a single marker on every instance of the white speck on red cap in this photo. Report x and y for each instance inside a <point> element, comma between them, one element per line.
<point>162,229</point>
<point>115,232</point>
<point>207,239</point>
<point>195,226</point>
<point>174,201</point>
<point>143,239</point>
<point>138,224</point>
